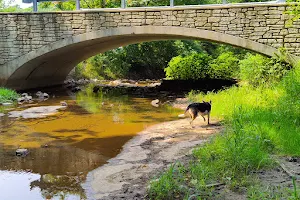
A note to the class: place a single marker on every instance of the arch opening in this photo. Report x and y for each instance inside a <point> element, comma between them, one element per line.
<point>50,64</point>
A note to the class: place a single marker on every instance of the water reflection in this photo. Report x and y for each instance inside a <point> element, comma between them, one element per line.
<point>65,147</point>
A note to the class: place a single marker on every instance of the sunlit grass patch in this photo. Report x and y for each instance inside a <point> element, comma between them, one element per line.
<point>7,95</point>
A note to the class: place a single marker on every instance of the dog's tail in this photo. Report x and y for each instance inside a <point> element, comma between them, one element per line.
<point>183,115</point>
<point>187,109</point>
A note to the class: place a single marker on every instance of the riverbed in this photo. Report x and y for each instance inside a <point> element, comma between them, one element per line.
<point>66,146</point>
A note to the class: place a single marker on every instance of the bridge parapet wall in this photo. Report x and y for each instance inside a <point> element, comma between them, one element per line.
<point>21,33</point>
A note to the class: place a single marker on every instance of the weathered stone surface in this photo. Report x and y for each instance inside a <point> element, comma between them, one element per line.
<point>36,112</point>
<point>21,34</point>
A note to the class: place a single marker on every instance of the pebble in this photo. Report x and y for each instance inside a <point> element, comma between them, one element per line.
<point>7,104</point>
<point>22,152</point>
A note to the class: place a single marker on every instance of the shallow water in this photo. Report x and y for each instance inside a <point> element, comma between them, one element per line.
<point>64,147</point>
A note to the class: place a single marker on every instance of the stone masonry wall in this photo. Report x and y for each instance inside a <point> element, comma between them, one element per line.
<point>21,33</point>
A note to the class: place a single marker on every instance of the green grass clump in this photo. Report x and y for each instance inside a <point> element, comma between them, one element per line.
<point>169,185</point>
<point>7,95</point>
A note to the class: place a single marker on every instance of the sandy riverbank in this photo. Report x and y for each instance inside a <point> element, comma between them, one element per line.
<point>144,157</point>
<point>127,175</point>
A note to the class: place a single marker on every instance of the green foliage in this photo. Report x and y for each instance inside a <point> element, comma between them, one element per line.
<point>293,11</point>
<point>7,95</point>
<point>143,60</point>
<point>259,121</point>
<point>225,66</point>
<point>50,6</point>
<point>269,112</point>
<point>150,58</point>
<point>200,66</point>
<point>196,2</point>
<point>234,154</point>
<point>194,66</point>
<point>240,53</point>
<point>259,70</point>
<point>261,192</point>
<point>169,184</point>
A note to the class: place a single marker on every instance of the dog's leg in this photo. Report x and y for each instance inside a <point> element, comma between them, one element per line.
<point>192,119</point>
<point>208,116</point>
<point>193,116</point>
<point>203,117</point>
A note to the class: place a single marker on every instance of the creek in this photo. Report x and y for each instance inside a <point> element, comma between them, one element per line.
<point>66,146</point>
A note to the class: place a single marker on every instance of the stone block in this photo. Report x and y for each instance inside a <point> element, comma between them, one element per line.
<point>260,29</point>
<point>214,19</point>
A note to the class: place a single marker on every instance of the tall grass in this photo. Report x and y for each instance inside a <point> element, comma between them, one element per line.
<point>271,112</point>
<point>7,95</point>
<point>259,121</point>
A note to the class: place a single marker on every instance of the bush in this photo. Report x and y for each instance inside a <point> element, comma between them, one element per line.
<point>194,66</point>
<point>7,95</point>
<point>225,66</point>
<point>260,70</point>
<point>104,66</point>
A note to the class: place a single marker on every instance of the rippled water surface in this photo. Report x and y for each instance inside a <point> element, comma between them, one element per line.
<point>64,147</point>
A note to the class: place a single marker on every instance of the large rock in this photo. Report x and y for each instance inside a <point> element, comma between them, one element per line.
<point>36,112</point>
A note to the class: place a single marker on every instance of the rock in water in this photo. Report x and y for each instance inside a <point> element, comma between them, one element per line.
<point>181,115</point>
<point>155,103</point>
<point>22,152</point>
<point>7,104</point>
<point>63,103</point>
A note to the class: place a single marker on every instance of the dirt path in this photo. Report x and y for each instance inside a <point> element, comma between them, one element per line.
<point>126,176</point>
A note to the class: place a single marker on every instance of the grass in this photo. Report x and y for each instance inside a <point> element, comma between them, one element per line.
<point>7,95</point>
<point>258,122</point>
<point>169,184</point>
<point>261,192</point>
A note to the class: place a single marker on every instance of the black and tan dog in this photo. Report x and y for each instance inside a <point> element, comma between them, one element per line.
<point>195,109</point>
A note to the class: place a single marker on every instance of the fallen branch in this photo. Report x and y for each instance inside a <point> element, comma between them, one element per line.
<point>214,185</point>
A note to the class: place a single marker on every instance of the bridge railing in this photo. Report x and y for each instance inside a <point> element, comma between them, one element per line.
<point>124,3</point>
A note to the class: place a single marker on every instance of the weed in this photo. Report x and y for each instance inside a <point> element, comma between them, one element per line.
<point>169,185</point>
<point>7,95</point>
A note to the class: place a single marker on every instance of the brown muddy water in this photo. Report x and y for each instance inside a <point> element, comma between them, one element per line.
<point>64,147</point>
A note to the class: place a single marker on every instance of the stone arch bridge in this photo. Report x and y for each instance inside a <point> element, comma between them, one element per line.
<point>40,49</point>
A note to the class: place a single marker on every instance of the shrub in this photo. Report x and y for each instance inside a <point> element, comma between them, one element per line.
<point>259,70</point>
<point>225,66</point>
<point>7,95</point>
<point>194,66</point>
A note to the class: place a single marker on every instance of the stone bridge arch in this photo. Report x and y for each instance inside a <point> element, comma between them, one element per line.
<point>50,64</point>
